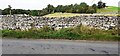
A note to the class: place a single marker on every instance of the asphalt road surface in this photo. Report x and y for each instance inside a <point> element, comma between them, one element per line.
<point>14,46</point>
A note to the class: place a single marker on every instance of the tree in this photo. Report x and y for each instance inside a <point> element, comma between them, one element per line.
<point>50,8</point>
<point>34,12</point>
<point>83,7</point>
<point>95,7</point>
<point>5,11</point>
<point>58,8</point>
<point>75,8</point>
<point>101,5</point>
<point>0,11</point>
<point>9,6</point>
<point>104,5</point>
<point>91,10</point>
<point>70,8</point>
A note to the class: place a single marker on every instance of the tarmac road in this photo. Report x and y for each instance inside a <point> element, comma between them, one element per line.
<point>15,46</point>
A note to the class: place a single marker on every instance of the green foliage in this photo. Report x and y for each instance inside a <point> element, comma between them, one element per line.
<point>101,5</point>
<point>73,8</point>
<point>50,8</point>
<point>76,8</point>
<point>5,11</point>
<point>91,10</point>
<point>78,33</point>
<point>34,12</point>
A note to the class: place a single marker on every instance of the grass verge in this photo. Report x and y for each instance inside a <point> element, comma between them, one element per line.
<point>77,33</point>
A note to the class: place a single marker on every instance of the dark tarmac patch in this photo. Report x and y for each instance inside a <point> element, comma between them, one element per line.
<point>92,49</point>
<point>105,51</point>
<point>33,48</point>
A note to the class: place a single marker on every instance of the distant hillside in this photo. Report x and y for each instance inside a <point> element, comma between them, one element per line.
<point>109,9</point>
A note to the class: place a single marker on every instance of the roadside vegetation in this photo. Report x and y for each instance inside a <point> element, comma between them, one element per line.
<point>78,33</point>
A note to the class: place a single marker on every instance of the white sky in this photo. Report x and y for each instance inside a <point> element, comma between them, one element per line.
<point>39,4</point>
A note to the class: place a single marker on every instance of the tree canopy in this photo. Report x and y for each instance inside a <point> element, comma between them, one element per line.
<point>73,8</point>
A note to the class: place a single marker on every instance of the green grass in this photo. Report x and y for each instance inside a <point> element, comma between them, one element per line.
<point>108,9</point>
<point>62,15</point>
<point>77,33</point>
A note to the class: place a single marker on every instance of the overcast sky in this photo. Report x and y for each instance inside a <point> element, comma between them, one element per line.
<point>39,4</point>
